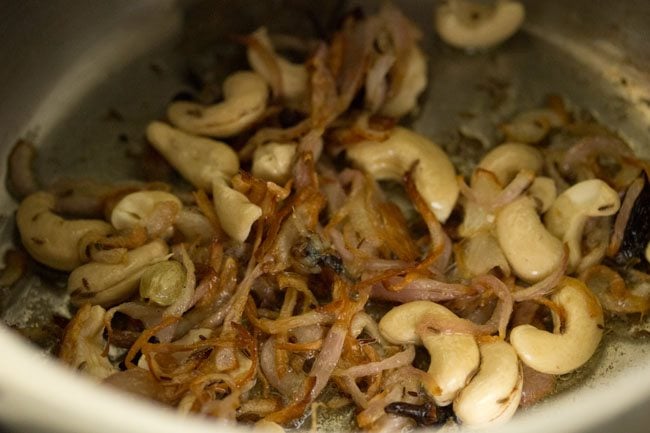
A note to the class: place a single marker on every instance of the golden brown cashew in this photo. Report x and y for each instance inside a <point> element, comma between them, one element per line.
<point>245,96</point>
<point>404,101</point>
<point>435,176</point>
<point>562,352</point>
<point>199,160</point>
<point>470,25</point>
<point>83,344</point>
<point>107,284</point>
<point>50,239</point>
<point>567,216</point>
<point>454,357</point>
<point>533,252</point>
<point>494,392</point>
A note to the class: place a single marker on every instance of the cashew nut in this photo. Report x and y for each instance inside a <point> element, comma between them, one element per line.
<point>273,162</point>
<point>199,160</point>
<point>106,284</point>
<point>533,252</point>
<point>560,353</point>
<point>494,393</point>
<point>454,357</point>
<point>532,126</point>
<point>236,213</point>
<point>435,176</point>
<point>567,216</point>
<point>135,208</point>
<point>414,82</point>
<point>508,159</point>
<point>294,79</point>
<point>470,25</point>
<point>245,96</point>
<point>83,344</point>
<point>544,191</point>
<point>50,239</point>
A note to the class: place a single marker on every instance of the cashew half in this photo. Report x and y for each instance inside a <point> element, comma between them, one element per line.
<point>454,357</point>
<point>469,25</point>
<point>135,208</point>
<point>494,393</point>
<point>245,97</point>
<point>273,161</point>
<point>567,216</point>
<point>199,160</point>
<point>560,353</point>
<point>236,213</point>
<point>533,252</point>
<point>294,78</point>
<point>107,284</point>
<point>83,344</point>
<point>49,238</point>
<point>404,101</point>
<point>508,159</point>
<point>435,176</point>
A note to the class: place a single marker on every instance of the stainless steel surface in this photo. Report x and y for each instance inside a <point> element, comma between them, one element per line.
<point>69,64</point>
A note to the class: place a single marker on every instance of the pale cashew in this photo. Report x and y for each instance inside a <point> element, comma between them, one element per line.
<point>83,344</point>
<point>493,395</point>
<point>435,176</point>
<point>469,25</point>
<point>199,160</point>
<point>294,79</point>
<point>532,126</point>
<point>544,191</point>
<point>404,101</point>
<point>236,213</point>
<point>560,353</point>
<point>49,238</point>
<point>533,252</point>
<point>273,161</point>
<point>567,216</point>
<point>135,208</point>
<point>107,284</point>
<point>245,97</point>
<point>454,357</point>
<point>508,159</point>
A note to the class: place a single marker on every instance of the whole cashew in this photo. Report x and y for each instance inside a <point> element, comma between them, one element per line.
<point>49,238</point>
<point>533,252</point>
<point>135,208</point>
<point>294,79</point>
<point>435,176</point>
<point>508,159</point>
<point>469,25</point>
<point>199,160</point>
<point>107,284</point>
<point>83,344</point>
<point>245,97</point>
<point>562,352</point>
<point>236,213</point>
<point>532,126</point>
<point>273,161</point>
<point>493,394</point>
<point>544,191</point>
<point>567,216</point>
<point>454,357</point>
<point>404,101</point>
